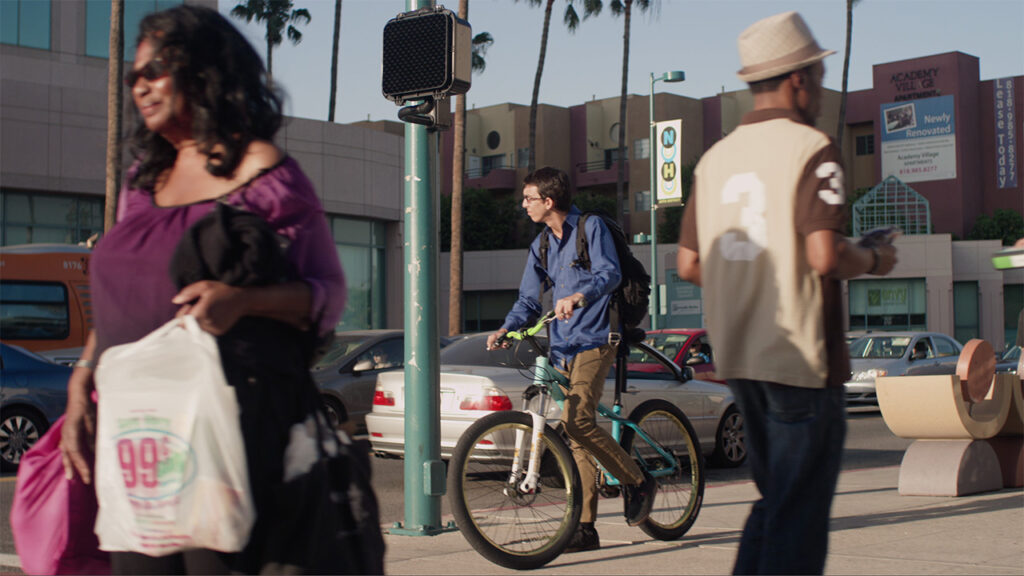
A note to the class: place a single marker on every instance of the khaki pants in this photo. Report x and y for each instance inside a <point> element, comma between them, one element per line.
<point>587,373</point>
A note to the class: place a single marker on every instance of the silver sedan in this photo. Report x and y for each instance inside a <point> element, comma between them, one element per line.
<point>475,382</point>
<point>897,354</point>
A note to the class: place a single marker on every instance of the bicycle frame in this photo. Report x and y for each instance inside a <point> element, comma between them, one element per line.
<point>550,382</point>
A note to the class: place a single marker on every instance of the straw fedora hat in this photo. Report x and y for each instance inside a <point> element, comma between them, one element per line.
<point>776,45</point>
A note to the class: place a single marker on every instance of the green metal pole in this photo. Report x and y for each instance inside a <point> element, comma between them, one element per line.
<point>652,152</point>
<point>424,470</point>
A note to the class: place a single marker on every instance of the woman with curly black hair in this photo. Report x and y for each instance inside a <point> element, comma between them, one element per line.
<point>203,141</point>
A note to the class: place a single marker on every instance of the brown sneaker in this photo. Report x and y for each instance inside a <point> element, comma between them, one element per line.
<point>639,499</point>
<point>584,539</point>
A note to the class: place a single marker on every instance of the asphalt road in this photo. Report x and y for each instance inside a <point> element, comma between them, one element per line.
<point>869,443</point>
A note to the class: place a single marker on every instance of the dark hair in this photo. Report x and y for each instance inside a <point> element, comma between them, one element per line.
<point>551,183</point>
<point>772,84</point>
<point>223,82</point>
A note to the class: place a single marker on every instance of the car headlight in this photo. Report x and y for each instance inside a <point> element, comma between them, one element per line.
<point>869,374</point>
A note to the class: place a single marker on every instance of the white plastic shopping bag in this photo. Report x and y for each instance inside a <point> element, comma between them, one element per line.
<point>170,460</point>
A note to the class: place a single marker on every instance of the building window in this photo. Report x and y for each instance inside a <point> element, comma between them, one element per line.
<point>483,311</point>
<point>97,24</point>
<point>898,304</point>
<point>25,23</point>
<point>1013,303</point>
<point>642,200</point>
<point>36,218</point>
<point>966,315</point>
<point>641,149</point>
<point>360,245</point>
<point>611,155</point>
<point>865,145</point>
<point>524,157</point>
<point>492,163</point>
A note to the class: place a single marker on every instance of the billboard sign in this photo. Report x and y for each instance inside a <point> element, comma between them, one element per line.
<point>1006,134</point>
<point>919,139</point>
<point>668,136</point>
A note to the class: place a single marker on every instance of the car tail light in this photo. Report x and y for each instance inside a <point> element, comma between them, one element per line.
<point>382,398</point>
<point>492,400</point>
<point>377,434</point>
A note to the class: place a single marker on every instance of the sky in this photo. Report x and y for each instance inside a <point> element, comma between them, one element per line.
<point>695,36</point>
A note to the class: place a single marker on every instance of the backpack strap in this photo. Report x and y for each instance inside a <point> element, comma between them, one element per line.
<point>543,257</point>
<point>582,251</point>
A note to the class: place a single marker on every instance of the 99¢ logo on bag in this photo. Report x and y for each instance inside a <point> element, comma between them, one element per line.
<point>155,463</point>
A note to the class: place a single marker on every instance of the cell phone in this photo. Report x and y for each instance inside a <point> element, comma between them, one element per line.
<point>1008,259</point>
<point>879,236</point>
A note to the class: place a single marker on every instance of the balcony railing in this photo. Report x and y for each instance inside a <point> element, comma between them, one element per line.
<point>481,172</point>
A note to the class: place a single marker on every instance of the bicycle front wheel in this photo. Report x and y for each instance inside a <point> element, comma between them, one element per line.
<point>680,489</point>
<point>509,526</point>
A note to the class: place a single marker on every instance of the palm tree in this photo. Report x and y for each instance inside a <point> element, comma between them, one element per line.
<point>277,14</point>
<point>841,123</point>
<point>334,61</point>
<point>481,42</point>
<point>572,20</point>
<point>115,103</point>
<point>624,8</point>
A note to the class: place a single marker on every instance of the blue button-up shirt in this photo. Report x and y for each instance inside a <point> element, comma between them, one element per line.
<point>589,326</point>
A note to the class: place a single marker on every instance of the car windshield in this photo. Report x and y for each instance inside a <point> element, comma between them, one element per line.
<point>668,344</point>
<point>879,347</point>
<point>342,346</point>
<point>472,351</point>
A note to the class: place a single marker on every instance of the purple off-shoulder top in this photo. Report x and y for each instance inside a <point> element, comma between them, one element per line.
<point>129,269</point>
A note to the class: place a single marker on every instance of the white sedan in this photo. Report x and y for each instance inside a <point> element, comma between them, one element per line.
<point>475,382</point>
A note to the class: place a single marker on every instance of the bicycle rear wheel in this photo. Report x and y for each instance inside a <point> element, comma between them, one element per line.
<point>680,493</point>
<point>512,528</point>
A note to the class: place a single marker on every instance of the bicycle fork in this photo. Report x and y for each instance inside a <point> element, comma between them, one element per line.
<point>532,477</point>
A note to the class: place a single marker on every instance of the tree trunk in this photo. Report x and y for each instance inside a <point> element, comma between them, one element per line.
<point>532,164</point>
<point>115,99</point>
<point>270,65</point>
<point>334,61</point>
<point>841,123</point>
<point>458,173</point>
<point>620,193</point>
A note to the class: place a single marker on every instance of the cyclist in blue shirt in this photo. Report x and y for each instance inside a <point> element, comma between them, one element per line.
<point>581,343</point>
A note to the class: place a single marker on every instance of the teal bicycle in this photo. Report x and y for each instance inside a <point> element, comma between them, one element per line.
<point>513,484</point>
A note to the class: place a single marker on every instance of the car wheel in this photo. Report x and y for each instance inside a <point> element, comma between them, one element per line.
<point>336,413</point>
<point>730,440</point>
<point>20,429</point>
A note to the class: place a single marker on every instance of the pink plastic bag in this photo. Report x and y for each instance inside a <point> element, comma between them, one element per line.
<point>52,517</point>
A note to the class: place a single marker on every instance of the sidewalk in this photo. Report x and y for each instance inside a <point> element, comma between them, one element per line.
<point>874,531</point>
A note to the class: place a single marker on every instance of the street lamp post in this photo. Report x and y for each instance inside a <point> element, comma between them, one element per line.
<point>673,76</point>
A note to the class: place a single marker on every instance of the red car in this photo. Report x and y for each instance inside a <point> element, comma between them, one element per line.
<point>686,347</point>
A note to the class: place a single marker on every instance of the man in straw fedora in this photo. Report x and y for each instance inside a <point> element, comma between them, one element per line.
<point>763,234</point>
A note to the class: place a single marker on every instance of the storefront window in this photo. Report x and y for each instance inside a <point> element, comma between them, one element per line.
<point>360,246</point>
<point>1013,303</point>
<point>38,218</point>
<point>966,323</point>
<point>897,304</point>
<point>486,310</point>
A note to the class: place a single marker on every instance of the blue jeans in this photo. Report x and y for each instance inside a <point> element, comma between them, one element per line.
<point>794,445</point>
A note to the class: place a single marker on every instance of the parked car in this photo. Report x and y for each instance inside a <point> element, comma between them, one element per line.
<point>476,382</point>
<point>679,344</point>
<point>1009,360</point>
<point>347,373</point>
<point>33,395</point>
<point>897,354</point>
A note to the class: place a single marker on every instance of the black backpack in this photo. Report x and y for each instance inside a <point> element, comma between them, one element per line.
<point>632,297</point>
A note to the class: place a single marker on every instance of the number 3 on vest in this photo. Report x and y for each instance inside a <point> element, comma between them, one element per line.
<point>834,194</point>
<point>739,187</point>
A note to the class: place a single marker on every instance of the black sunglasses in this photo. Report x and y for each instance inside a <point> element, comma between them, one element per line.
<point>155,68</point>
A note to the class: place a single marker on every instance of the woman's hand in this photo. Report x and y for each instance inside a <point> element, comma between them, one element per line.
<point>215,305</point>
<point>78,433</point>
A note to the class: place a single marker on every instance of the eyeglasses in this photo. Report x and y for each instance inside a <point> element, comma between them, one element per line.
<point>532,198</point>
<point>155,68</point>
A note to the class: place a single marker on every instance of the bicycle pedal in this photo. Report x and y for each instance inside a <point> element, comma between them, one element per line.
<point>610,491</point>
